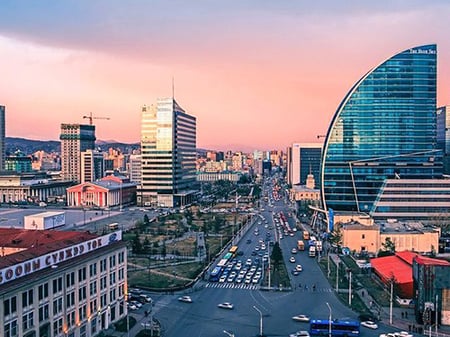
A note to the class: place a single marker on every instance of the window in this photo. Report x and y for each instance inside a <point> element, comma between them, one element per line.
<point>102,265</point>
<point>57,327</point>
<point>28,320</point>
<point>363,236</point>
<point>82,293</point>
<point>43,312</point>
<point>57,285</point>
<point>27,298</point>
<point>70,279</point>
<point>43,291</point>
<point>57,305</point>
<point>10,306</point>
<point>71,318</point>
<point>82,313</point>
<point>112,261</point>
<point>11,329</point>
<point>121,274</point>
<point>93,288</point>
<point>112,295</point>
<point>93,326</point>
<point>93,307</point>
<point>70,299</point>
<point>82,274</point>
<point>121,257</point>
<point>83,330</point>
<point>103,300</point>
<point>93,270</point>
<point>103,283</point>
<point>112,278</point>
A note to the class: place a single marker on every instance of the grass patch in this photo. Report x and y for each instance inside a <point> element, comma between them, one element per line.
<point>279,277</point>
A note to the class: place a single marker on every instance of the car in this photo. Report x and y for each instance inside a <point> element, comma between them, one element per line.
<point>294,250</point>
<point>295,272</point>
<point>301,318</point>
<point>299,267</point>
<point>292,259</point>
<point>249,241</point>
<point>225,305</point>
<point>137,304</point>
<point>369,324</point>
<point>145,298</point>
<point>302,333</point>
<point>186,299</point>
<point>131,306</point>
<point>223,278</point>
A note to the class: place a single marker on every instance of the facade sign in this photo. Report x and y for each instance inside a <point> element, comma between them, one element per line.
<point>52,259</point>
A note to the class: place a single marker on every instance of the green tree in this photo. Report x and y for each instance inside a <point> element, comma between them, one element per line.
<point>336,237</point>
<point>388,247</point>
<point>277,255</point>
<point>136,245</point>
<point>146,219</point>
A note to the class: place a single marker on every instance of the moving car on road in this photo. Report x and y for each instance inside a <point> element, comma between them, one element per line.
<point>226,305</point>
<point>369,324</point>
<point>301,318</point>
<point>302,333</point>
<point>186,299</point>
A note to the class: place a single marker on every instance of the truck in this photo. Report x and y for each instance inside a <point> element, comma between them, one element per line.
<point>305,235</point>
<point>312,251</point>
<point>45,220</point>
<point>319,246</point>
<point>300,245</point>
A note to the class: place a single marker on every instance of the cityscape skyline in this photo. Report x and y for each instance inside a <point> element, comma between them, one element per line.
<point>70,59</point>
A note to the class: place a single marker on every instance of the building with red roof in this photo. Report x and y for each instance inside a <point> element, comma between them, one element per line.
<point>61,282</point>
<point>397,267</point>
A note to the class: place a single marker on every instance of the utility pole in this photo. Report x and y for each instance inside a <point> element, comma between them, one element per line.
<point>390,301</point>
<point>337,276</point>
<point>329,320</point>
<point>350,289</point>
<point>260,321</point>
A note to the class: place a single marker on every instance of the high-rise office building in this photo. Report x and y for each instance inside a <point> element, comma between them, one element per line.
<point>168,149</point>
<point>443,134</point>
<point>92,165</point>
<point>2,137</point>
<point>385,127</point>
<point>75,138</point>
<point>134,168</point>
<point>304,159</point>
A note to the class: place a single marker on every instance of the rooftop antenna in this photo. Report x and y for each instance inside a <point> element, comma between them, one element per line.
<point>173,88</point>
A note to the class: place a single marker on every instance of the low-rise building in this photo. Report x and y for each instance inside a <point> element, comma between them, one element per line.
<point>61,283</point>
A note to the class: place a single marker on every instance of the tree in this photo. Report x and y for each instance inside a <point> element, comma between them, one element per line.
<point>336,236</point>
<point>146,219</point>
<point>388,248</point>
<point>136,245</point>
<point>277,255</point>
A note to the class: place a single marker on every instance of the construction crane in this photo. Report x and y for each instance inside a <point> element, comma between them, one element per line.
<point>91,118</point>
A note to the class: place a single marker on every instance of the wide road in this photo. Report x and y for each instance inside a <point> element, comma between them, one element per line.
<point>204,318</point>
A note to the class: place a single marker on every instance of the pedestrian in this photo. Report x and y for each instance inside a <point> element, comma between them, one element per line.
<point>306,287</point>
<point>403,315</point>
<point>314,287</point>
<point>406,314</point>
<point>299,286</point>
<point>362,293</point>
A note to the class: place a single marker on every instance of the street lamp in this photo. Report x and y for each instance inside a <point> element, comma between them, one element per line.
<point>329,320</point>
<point>260,321</point>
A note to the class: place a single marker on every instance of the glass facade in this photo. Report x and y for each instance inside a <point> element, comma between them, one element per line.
<point>168,148</point>
<point>384,128</point>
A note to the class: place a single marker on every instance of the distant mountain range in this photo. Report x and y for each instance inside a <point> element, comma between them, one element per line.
<point>29,146</point>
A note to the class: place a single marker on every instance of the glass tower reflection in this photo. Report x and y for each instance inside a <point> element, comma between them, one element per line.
<point>385,127</point>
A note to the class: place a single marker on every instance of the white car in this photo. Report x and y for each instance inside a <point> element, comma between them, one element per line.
<point>131,306</point>
<point>136,304</point>
<point>298,267</point>
<point>301,318</point>
<point>292,259</point>
<point>302,333</point>
<point>186,299</point>
<point>294,250</point>
<point>226,305</point>
<point>369,324</point>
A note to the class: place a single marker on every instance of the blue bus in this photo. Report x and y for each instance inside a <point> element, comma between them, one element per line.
<point>215,274</point>
<point>339,327</point>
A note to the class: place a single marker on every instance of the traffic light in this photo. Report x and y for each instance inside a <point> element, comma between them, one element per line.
<point>426,316</point>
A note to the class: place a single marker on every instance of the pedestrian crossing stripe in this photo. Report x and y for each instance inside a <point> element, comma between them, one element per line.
<point>256,287</point>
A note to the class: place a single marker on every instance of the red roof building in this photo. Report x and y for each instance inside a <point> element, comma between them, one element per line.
<point>397,267</point>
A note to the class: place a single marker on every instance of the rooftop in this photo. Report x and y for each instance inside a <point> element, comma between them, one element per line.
<point>34,243</point>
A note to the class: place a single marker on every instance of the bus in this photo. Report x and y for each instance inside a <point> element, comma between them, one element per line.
<point>339,327</point>
<point>233,250</point>
<point>113,226</point>
<point>225,259</point>
<point>305,235</point>
<point>215,274</point>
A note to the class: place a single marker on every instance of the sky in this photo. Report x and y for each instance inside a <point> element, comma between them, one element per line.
<point>257,74</point>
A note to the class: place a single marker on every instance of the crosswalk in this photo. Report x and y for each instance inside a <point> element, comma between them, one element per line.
<point>257,287</point>
<point>232,286</point>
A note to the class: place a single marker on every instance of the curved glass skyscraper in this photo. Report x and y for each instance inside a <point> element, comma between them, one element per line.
<point>385,127</point>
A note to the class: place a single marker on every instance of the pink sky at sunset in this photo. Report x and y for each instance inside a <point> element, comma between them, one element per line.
<point>258,75</point>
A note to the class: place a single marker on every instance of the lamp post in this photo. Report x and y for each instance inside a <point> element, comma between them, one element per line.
<point>329,320</point>
<point>390,302</point>
<point>260,321</point>
<point>350,288</point>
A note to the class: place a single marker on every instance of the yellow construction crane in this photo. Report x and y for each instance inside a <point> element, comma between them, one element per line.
<point>91,118</point>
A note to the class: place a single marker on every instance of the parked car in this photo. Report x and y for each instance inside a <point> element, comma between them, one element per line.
<point>292,259</point>
<point>146,298</point>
